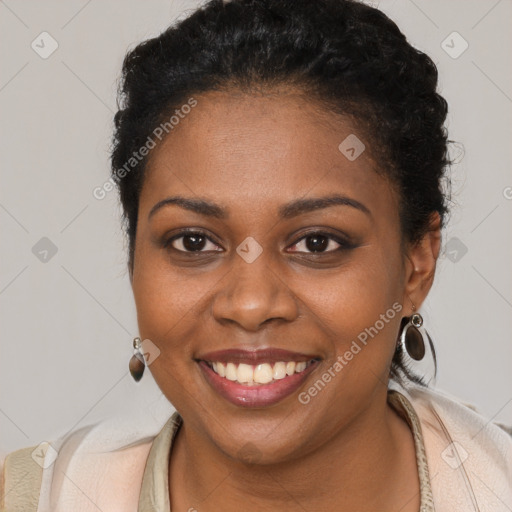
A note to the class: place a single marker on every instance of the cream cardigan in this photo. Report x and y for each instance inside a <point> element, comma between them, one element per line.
<point>464,463</point>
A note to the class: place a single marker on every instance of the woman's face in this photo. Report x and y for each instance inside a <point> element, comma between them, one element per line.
<point>275,275</point>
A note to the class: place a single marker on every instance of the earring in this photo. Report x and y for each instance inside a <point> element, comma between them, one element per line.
<point>412,340</point>
<point>417,349</point>
<point>137,363</point>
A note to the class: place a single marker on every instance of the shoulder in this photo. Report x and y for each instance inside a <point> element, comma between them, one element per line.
<point>101,463</point>
<point>464,418</point>
<point>469,456</point>
<point>21,479</point>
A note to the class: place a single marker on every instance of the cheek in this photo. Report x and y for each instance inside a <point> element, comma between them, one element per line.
<point>165,300</point>
<point>164,316</point>
<point>167,310</point>
<point>360,306</point>
<point>363,290</point>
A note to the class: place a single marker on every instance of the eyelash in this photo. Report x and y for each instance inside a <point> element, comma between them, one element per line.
<point>344,244</point>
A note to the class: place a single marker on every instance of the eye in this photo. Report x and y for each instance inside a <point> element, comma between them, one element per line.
<point>313,243</point>
<point>191,241</point>
<point>319,242</point>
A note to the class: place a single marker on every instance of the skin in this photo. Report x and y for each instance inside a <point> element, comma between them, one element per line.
<point>347,449</point>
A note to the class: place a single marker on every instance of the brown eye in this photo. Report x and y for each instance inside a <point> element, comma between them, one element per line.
<point>192,242</point>
<point>319,243</point>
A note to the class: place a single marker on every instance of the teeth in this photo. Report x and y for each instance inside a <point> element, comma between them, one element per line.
<point>300,367</point>
<point>231,371</point>
<point>259,374</point>
<point>244,374</point>
<point>279,371</point>
<point>263,373</point>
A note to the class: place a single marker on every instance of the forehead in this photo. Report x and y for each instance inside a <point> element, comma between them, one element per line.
<point>254,149</point>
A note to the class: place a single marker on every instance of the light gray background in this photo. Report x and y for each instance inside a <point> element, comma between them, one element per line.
<point>68,323</point>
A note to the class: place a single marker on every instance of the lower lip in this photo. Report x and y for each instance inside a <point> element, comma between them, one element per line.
<point>258,395</point>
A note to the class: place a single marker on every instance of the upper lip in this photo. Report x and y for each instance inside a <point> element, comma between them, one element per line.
<point>257,356</point>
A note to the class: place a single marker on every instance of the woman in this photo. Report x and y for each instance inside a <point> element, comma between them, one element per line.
<point>280,167</point>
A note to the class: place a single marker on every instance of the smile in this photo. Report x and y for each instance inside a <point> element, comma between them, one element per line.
<point>264,373</point>
<point>258,378</point>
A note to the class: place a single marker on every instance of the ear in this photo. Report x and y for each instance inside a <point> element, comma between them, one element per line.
<point>420,265</point>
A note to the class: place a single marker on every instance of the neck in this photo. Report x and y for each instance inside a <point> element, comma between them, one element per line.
<point>368,465</point>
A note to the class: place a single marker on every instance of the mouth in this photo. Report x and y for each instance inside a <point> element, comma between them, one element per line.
<point>256,378</point>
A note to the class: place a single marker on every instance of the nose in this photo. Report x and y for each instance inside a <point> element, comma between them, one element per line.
<point>253,294</point>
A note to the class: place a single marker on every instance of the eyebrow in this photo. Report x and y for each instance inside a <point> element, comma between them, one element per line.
<point>287,211</point>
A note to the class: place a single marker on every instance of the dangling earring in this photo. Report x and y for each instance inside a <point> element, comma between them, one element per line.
<point>137,364</point>
<point>412,340</point>
<point>417,349</point>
